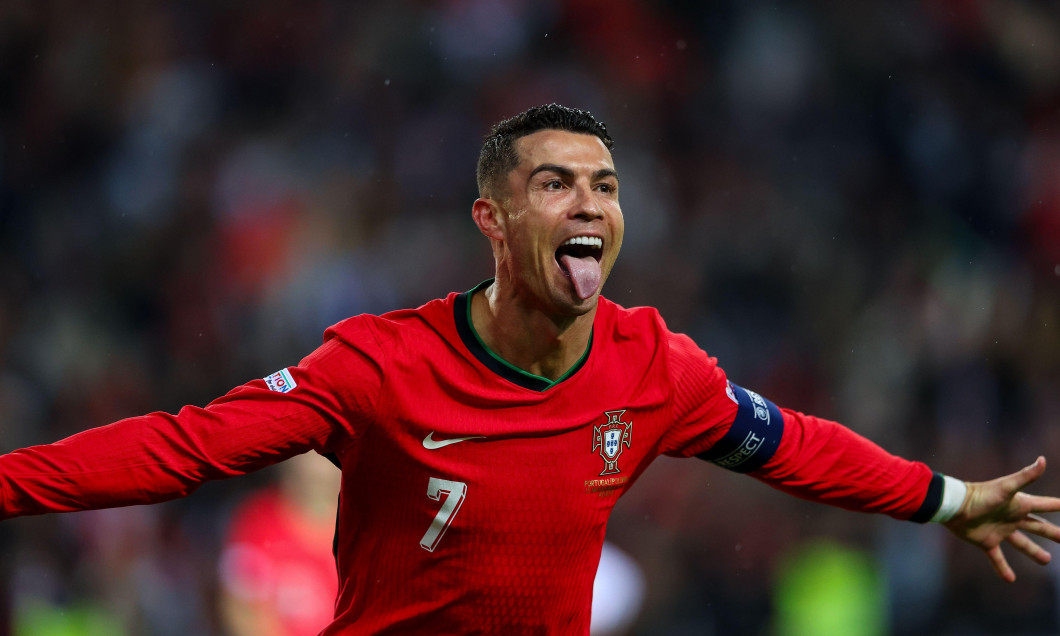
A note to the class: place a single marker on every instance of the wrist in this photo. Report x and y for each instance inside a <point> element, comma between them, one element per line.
<point>953,493</point>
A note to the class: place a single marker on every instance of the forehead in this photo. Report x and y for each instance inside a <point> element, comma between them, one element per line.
<point>563,148</point>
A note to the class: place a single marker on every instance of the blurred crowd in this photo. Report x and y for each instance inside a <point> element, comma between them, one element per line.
<point>854,206</point>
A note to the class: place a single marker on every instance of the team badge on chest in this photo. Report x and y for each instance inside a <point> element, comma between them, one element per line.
<point>608,438</point>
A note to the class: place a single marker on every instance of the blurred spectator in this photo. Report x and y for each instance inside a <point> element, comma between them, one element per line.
<point>618,593</point>
<point>278,575</point>
<point>827,589</point>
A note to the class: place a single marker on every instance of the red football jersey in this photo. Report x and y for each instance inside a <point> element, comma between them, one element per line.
<point>474,495</point>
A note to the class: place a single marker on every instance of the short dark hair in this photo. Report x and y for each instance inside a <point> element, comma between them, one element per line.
<point>499,157</point>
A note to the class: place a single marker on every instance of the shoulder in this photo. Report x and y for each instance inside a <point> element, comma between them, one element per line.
<point>396,326</point>
<point>630,321</point>
<point>645,328</point>
<point>637,323</point>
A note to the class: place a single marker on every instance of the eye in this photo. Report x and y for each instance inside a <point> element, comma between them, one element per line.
<point>606,188</point>
<point>553,184</point>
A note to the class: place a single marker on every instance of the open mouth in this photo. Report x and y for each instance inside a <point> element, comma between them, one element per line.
<point>579,258</point>
<point>581,247</point>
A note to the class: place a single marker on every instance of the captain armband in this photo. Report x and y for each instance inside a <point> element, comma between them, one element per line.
<point>754,435</point>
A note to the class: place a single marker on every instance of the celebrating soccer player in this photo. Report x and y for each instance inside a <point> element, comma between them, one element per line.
<point>485,437</point>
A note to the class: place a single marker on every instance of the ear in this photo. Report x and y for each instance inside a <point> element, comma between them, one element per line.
<point>489,218</point>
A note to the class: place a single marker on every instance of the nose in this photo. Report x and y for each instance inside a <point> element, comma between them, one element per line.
<point>586,207</point>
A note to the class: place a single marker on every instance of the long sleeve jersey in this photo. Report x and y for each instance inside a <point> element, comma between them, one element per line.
<point>474,495</point>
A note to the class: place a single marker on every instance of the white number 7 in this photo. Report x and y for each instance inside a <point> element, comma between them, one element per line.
<point>454,492</point>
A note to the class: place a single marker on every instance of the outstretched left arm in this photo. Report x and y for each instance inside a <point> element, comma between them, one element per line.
<point>997,511</point>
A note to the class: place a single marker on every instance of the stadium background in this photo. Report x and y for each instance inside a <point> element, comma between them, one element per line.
<point>855,206</point>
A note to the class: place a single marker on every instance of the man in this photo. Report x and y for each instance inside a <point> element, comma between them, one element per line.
<point>277,573</point>
<point>485,437</point>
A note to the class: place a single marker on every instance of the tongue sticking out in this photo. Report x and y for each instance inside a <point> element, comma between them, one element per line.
<point>584,273</point>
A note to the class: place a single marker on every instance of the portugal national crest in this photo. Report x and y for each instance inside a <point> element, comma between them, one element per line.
<point>609,438</point>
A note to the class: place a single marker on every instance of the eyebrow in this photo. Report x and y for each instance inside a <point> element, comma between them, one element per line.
<point>564,171</point>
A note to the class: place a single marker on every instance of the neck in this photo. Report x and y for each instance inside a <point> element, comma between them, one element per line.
<point>527,338</point>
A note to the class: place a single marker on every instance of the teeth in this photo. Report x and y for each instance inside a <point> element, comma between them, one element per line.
<point>591,241</point>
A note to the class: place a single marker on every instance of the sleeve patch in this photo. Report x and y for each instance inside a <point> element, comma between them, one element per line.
<point>754,436</point>
<point>281,381</point>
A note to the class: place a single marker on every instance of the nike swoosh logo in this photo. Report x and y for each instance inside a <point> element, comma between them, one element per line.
<point>434,444</point>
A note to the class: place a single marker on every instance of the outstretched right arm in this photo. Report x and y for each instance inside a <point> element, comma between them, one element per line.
<point>157,457</point>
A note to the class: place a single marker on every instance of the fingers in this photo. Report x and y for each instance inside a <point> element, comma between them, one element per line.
<point>1039,526</point>
<point>1034,551</point>
<point>1022,543</point>
<point>1037,503</point>
<point>1020,479</point>
<point>997,559</point>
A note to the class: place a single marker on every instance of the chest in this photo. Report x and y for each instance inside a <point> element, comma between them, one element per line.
<point>498,465</point>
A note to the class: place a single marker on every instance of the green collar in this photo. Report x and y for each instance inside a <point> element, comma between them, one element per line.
<point>500,366</point>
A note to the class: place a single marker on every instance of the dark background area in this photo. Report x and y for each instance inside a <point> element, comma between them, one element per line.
<point>854,206</point>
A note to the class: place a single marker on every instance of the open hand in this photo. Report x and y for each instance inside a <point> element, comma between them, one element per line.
<point>997,511</point>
